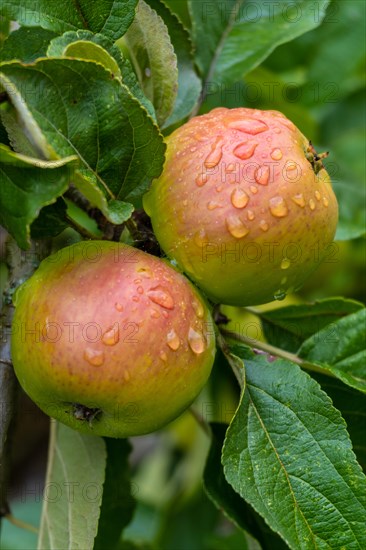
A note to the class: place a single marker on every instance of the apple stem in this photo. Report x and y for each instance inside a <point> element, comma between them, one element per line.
<point>273,351</point>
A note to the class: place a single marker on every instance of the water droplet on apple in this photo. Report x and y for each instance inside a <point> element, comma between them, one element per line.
<point>276,154</point>
<point>312,204</point>
<point>239,198</point>
<point>236,227</point>
<point>254,189</point>
<point>250,215</point>
<point>201,180</point>
<point>278,207</point>
<point>198,309</point>
<point>140,290</point>
<point>262,175</point>
<point>248,126</point>
<point>291,165</point>
<point>94,357</point>
<point>215,155</point>
<point>245,150</point>
<point>263,225</point>
<point>172,339</point>
<point>111,336</point>
<point>162,297</point>
<point>118,306</point>
<point>196,341</point>
<point>325,202</point>
<point>213,205</point>
<point>200,237</point>
<point>317,195</point>
<point>299,200</point>
<point>163,356</point>
<point>145,272</point>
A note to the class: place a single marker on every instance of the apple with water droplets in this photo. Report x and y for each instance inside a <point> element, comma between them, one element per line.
<point>110,340</point>
<point>244,205</point>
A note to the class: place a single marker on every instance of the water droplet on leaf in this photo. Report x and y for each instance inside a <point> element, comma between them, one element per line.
<point>285,264</point>
<point>279,295</point>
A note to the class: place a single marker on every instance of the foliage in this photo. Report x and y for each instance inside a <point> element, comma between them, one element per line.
<point>88,90</point>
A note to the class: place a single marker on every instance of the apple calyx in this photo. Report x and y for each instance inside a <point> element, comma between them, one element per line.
<point>315,159</point>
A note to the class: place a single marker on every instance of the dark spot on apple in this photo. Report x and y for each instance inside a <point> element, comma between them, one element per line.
<point>81,412</point>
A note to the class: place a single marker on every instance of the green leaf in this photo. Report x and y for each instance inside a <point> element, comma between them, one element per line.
<point>340,348</point>
<point>180,9</point>
<point>234,37</point>
<point>327,51</point>
<point>109,17</point>
<point>352,405</point>
<point>349,170</point>
<point>60,47</point>
<point>117,504</point>
<point>26,44</point>
<point>51,221</point>
<point>28,184</point>
<point>288,454</point>
<point>154,59</point>
<point>120,212</point>
<point>189,85</point>
<point>4,29</point>
<point>288,327</point>
<point>75,477</point>
<point>227,500</point>
<point>24,133</point>
<point>92,115</point>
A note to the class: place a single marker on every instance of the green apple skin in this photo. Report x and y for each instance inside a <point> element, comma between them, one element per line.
<point>110,340</point>
<point>243,205</point>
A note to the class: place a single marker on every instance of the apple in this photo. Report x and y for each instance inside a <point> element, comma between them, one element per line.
<point>110,340</point>
<point>244,205</point>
